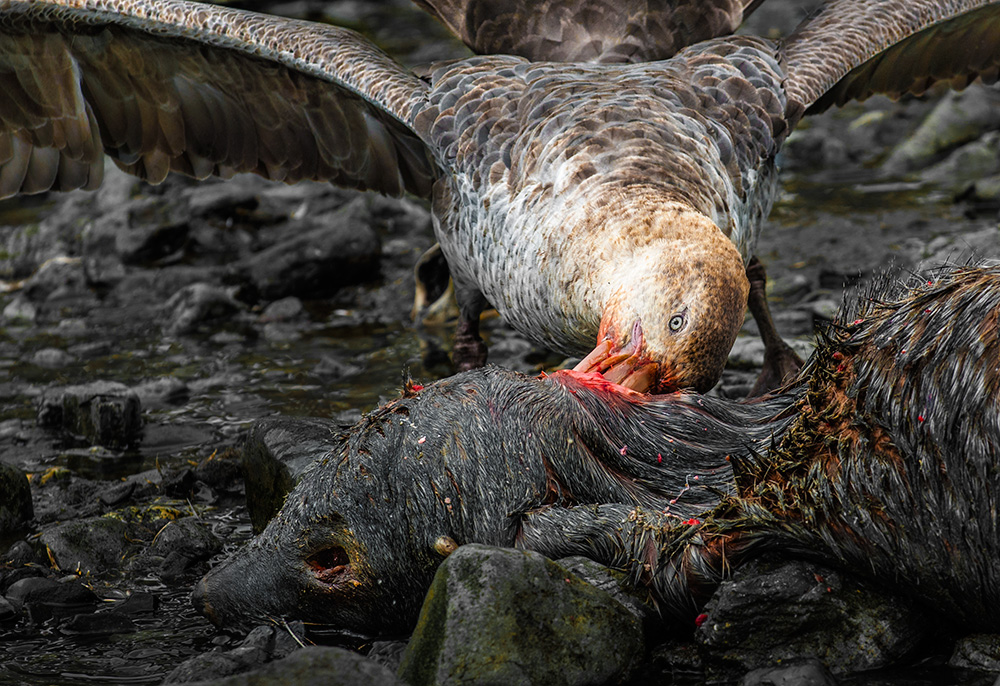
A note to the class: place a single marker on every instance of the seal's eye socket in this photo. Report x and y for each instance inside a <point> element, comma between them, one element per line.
<point>329,564</point>
<point>677,322</point>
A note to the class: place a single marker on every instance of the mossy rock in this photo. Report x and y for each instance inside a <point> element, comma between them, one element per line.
<point>500,616</point>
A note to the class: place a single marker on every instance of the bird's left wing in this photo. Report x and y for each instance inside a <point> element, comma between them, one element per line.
<point>170,85</point>
<point>852,49</point>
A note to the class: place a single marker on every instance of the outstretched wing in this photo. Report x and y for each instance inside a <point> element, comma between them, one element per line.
<point>588,30</point>
<point>852,49</point>
<point>170,85</point>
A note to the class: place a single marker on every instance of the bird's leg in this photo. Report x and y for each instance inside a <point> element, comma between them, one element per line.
<point>781,363</point>
<point>469,350</point>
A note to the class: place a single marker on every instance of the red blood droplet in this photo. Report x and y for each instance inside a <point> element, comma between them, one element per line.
<point>417,387</point>
<point>700,619</point>
<point>920,418</point>
<point>659,458</point>
<point>692,522</point>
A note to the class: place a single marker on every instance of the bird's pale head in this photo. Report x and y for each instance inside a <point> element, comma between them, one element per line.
<point>672,313</point>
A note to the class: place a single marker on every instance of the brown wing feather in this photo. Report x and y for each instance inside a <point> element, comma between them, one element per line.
<point>853,49</point>
<point>588,30</point>
<point>168,85</point>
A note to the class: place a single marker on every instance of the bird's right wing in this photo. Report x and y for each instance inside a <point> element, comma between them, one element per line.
<point>852,49</point>
<point>170,85</point>
<point>588,30</point>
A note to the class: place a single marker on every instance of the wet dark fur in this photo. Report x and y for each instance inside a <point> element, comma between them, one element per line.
<point>891,467</point>
<point>469,459</point>
<point>883,459</point>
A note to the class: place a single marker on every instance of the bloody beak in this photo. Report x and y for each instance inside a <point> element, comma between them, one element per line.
<point>626,366</point>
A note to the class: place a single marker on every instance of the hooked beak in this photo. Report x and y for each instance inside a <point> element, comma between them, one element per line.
<point>627,366</point>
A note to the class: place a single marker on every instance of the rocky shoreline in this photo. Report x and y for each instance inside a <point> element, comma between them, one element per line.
<point>146,329</point>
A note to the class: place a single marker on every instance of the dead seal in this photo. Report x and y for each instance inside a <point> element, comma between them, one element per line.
<point>884,459</point>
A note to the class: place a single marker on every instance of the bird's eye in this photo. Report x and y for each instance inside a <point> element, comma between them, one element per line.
<point>676,322</point>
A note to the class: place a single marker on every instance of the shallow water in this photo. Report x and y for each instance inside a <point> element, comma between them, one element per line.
<point>348,355</point>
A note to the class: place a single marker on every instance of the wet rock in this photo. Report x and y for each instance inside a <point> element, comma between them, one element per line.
<point>10,577</point>
<point>963,167</point>
<point>261,645</point>
<point>138,603</point>
<point>95,544</point>
<point>155,394</point>
<point>20,310</point>
<point>8,611</point>
<point>612,582</point>
<point>957,118</point>
<point>312,665</point>
<point>51,593</point>
<point>179,546</point>
<point>221,471</point>
<point>807,148</point>
<point>275,453</point>
<point>808,673</point>
<point>772,612</point>
<point>19,554</point>
<point>387,653</point>
<point>98,624</point>
<point>328,252</point>
<point>57,278</point>
<point>106,413</point>
<point>956,247</point>
<point>284,310</point>
<point>146,243</point>
<point>15,500</point>
<point>196,305</point>
<point>979,651</point>
<point>501,616</point>
<point>748,351</point>
<point>52,358</point>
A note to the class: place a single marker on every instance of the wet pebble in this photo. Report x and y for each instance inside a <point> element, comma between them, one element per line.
<point>98,624</point>
<point>958,118</point>
<point>52,358</point>
<point>284,310</point>
<point>138,603</point>
<point>95,544</point>
<point>810,611</point>
<point>56,278</point>
<point>106,413</point>
<point>317,256</point>
<point>48,592</point>
<point>196,305</point>
<point>312,665</point>
<point>161,392</point>
<point>8,610</point>
<point>16,508</point>
<point>261,645</point>
<point>179,546</point>
<point>807,673</point>
<point>20,310</point>
<point>496,615</point>
<point>978,651</point>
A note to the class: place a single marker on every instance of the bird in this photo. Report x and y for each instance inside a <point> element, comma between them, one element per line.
<point>609,204</point>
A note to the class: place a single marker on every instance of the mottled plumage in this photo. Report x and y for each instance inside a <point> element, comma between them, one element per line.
<point>607,202</point>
